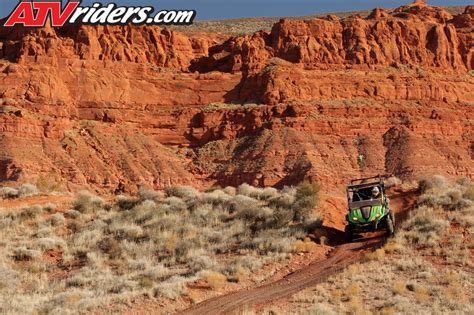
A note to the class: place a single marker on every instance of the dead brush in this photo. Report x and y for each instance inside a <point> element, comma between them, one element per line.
<point>214,279</point>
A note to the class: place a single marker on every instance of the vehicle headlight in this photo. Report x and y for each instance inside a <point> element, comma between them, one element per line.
<point>355,219</point>
<point>377,215</point>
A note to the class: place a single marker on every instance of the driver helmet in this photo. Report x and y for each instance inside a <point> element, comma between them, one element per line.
<point>375,192</point>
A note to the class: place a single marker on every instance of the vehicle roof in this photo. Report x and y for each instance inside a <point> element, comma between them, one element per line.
<point>365,185</point>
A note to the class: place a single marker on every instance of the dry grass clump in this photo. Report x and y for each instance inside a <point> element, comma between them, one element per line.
<point>425,227</point>
<point>393,182</point>
<point>214,279</point>
<point>25,190</point>
<point>145,194</point>
<point>86,202</point>
<point>426,268</point>
<point>8,193</point>
<point>149,245</point>
<point>436,182</point>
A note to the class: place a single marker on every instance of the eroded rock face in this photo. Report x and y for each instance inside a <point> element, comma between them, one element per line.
<point>416,35</point>
<point>113,108</point>
<point>144,44</point>
<point>281,82</point>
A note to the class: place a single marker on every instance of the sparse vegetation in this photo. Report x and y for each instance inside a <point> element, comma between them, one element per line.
<point>426,268</point>
<point>150,245</point>
<point>25,190</point>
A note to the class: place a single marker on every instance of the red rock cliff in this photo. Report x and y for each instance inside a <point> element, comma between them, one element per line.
<point>417,35</point>
<point>108,108</point>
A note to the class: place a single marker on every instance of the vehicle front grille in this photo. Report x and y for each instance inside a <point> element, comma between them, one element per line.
<point>366,212</point>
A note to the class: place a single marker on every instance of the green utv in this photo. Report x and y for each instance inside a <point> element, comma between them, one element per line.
<point>369,208</point>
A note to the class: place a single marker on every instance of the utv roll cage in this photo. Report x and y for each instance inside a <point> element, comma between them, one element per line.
<point>359,191</point>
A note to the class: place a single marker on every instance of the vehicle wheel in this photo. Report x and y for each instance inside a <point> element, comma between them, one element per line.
<point>349,233</point>
<point>390,225</point>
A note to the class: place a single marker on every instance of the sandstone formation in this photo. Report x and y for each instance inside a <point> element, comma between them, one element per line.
<point>113,108</point>
<point>144,45</point>
<point>414,35</point>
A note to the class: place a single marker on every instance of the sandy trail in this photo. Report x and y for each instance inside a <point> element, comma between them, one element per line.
<point>339,258</point>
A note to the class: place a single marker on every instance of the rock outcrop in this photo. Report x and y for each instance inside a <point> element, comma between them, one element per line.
<point>415,35</point>
<point>137,44</point>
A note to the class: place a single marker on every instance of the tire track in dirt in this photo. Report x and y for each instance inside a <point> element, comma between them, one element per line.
<point>316,272</point>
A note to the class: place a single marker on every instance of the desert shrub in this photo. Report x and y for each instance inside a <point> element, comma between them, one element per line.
<point>305,245</point>
<point>145,194</point>
<point>214,279</point>
<point>110,246</point>
<point>72,214</point>
<point>8,193</point>
<point>182,192</point>
<point>157,272</point>
<point>467,188</point>
<point>436,182</point>
<point>448,198</point>
<point>67,302</point>
<point>393,182</point>
<point>24,254</point>
<point>171,289</point>
<point>144,212</point>
<point>9,278</point>
<point>466,217</point>
<point>247,190</point>
<point>243,203</point>
<point>57,219</point>
<point>215,198</point>
<point>49,207</point>
<point>198,261</point>
<point>27,190</point>
<point>86,202</point>
<point>469,193</point>
<point>30,212</point>
<point>243,265</point>
<point>257,193</point>
<point>307,197</point>
<point>378,254</point>
<point>255,213</point>
<point>231,191</point>
<point>48,183</point>
<point>425,227</point>
<point>175,204</point>
<point>126,203</point>
<point>322,309</point>
<point>48,243</point>
<point>126,231</point>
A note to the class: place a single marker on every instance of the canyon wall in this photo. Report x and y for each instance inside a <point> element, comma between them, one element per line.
<point>114,108</point>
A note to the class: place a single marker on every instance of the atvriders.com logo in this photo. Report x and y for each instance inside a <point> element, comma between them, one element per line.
<point>36,13</point>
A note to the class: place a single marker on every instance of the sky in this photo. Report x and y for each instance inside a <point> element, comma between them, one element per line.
<point>225,9</point>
